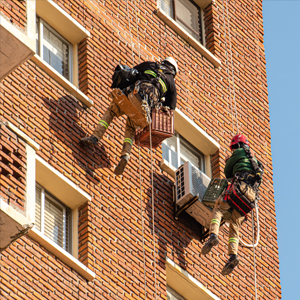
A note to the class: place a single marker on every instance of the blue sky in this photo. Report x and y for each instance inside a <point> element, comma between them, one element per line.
<point>282,44</point>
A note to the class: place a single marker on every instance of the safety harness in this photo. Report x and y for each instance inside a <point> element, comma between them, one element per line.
<point>241,194</point>
<point>159,75</point>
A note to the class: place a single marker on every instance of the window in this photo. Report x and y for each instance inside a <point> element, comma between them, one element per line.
<point>52,218</point>
<point>186,14</point>
<point>177,150</point>
<point>172,295</point>
<point>53,48</point>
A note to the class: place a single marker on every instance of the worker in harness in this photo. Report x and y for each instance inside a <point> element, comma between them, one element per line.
<point>154,82</point>
<point>239,198</point>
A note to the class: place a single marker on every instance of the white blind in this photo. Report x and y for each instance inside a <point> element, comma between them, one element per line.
<point>167,7</point>
<point>54,221</point>
<point>52,218</point>
<point>188,16</point>
<point>38,192</point>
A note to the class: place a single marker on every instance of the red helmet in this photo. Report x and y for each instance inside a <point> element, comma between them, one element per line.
<point>238,138</point>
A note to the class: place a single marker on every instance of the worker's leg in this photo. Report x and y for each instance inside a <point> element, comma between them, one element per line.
<point>234,227</point>
<point>220,208</point>
<point>129,136</point>
<point>112,111</point>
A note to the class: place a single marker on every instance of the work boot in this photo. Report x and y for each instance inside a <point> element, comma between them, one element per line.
<point>232,262</point>
<point>212,241</point>
<point>88,141</point>
<point>122,164</point>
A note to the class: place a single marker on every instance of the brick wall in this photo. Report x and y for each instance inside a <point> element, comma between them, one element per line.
<point>12,168</point>
<point>110,227</point>
<point>15,10</point>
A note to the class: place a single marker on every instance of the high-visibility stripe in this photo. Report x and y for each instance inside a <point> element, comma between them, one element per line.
<point>214,221</point>
<point>162,83</point>
<point>233,240</point>
<point>127,140</point>
<point>102,122</point>
<point>149,72</point>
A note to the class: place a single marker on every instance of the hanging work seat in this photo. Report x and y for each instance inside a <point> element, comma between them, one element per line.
<point>162,127</point>
<point>131,106</point>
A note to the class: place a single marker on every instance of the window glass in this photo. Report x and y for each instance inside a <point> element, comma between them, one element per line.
<point>189,153</point>
<point>53,48</point>
<point>187,15</point>
<point>169,149</point>
<point>177,148</point>
<point>52,217</point>
<point>55,52</point>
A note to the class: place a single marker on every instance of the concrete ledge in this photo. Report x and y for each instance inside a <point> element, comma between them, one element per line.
<point>63,255</point>
<point>185,284</point>
<point>22,135</point>
<point>59,185</point>
<point>67,26</point>
<point>193,42</point>
<point>194,134</point>
<point>167,167</point>
<point>13,225</point>
<point>62,80</point>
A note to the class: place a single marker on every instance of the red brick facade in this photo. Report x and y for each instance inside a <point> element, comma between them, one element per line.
<point>110,226</point>
<point>14,10</point>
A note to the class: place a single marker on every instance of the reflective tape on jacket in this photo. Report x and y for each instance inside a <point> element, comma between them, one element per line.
<point>162,83</point>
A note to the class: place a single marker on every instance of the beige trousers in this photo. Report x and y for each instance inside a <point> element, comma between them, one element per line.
<point>236,220</point>
<point>129,134</point>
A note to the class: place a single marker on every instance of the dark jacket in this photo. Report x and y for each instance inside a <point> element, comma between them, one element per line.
<point>238,162</point>
<point>167,87</point>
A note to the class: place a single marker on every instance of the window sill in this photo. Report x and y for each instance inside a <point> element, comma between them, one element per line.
<point>164,165</point>
<point>59,185</point>
<point>193,42</point>
<point>62,81</point>
<point>185,284</point>
<point>63,255</point>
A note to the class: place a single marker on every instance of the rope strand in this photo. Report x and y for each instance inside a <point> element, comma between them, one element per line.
<point>142,218</point>
<point>153,225</point>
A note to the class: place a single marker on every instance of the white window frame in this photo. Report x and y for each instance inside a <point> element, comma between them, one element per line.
<point>40,37</point>
<point>196,136</point>
<point>185,284</point>
<point>56,201</point>
<point>173,16</point>
<point>186,36</point>
<point>193,149</point>
<point>73,32</point>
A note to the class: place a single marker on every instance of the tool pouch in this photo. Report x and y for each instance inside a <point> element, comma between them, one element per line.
<point>240,196</point>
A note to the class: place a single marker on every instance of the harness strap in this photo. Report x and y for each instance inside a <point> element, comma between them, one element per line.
<point>158,76</point>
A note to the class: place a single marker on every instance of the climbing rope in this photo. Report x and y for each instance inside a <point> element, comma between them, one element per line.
<point>234,96</point>
<point>254,259</point>
<point>152,198</point>
<point>232,72</point>
<point>140,176</point>
<point>130,31</point>
<point>142,218</point>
